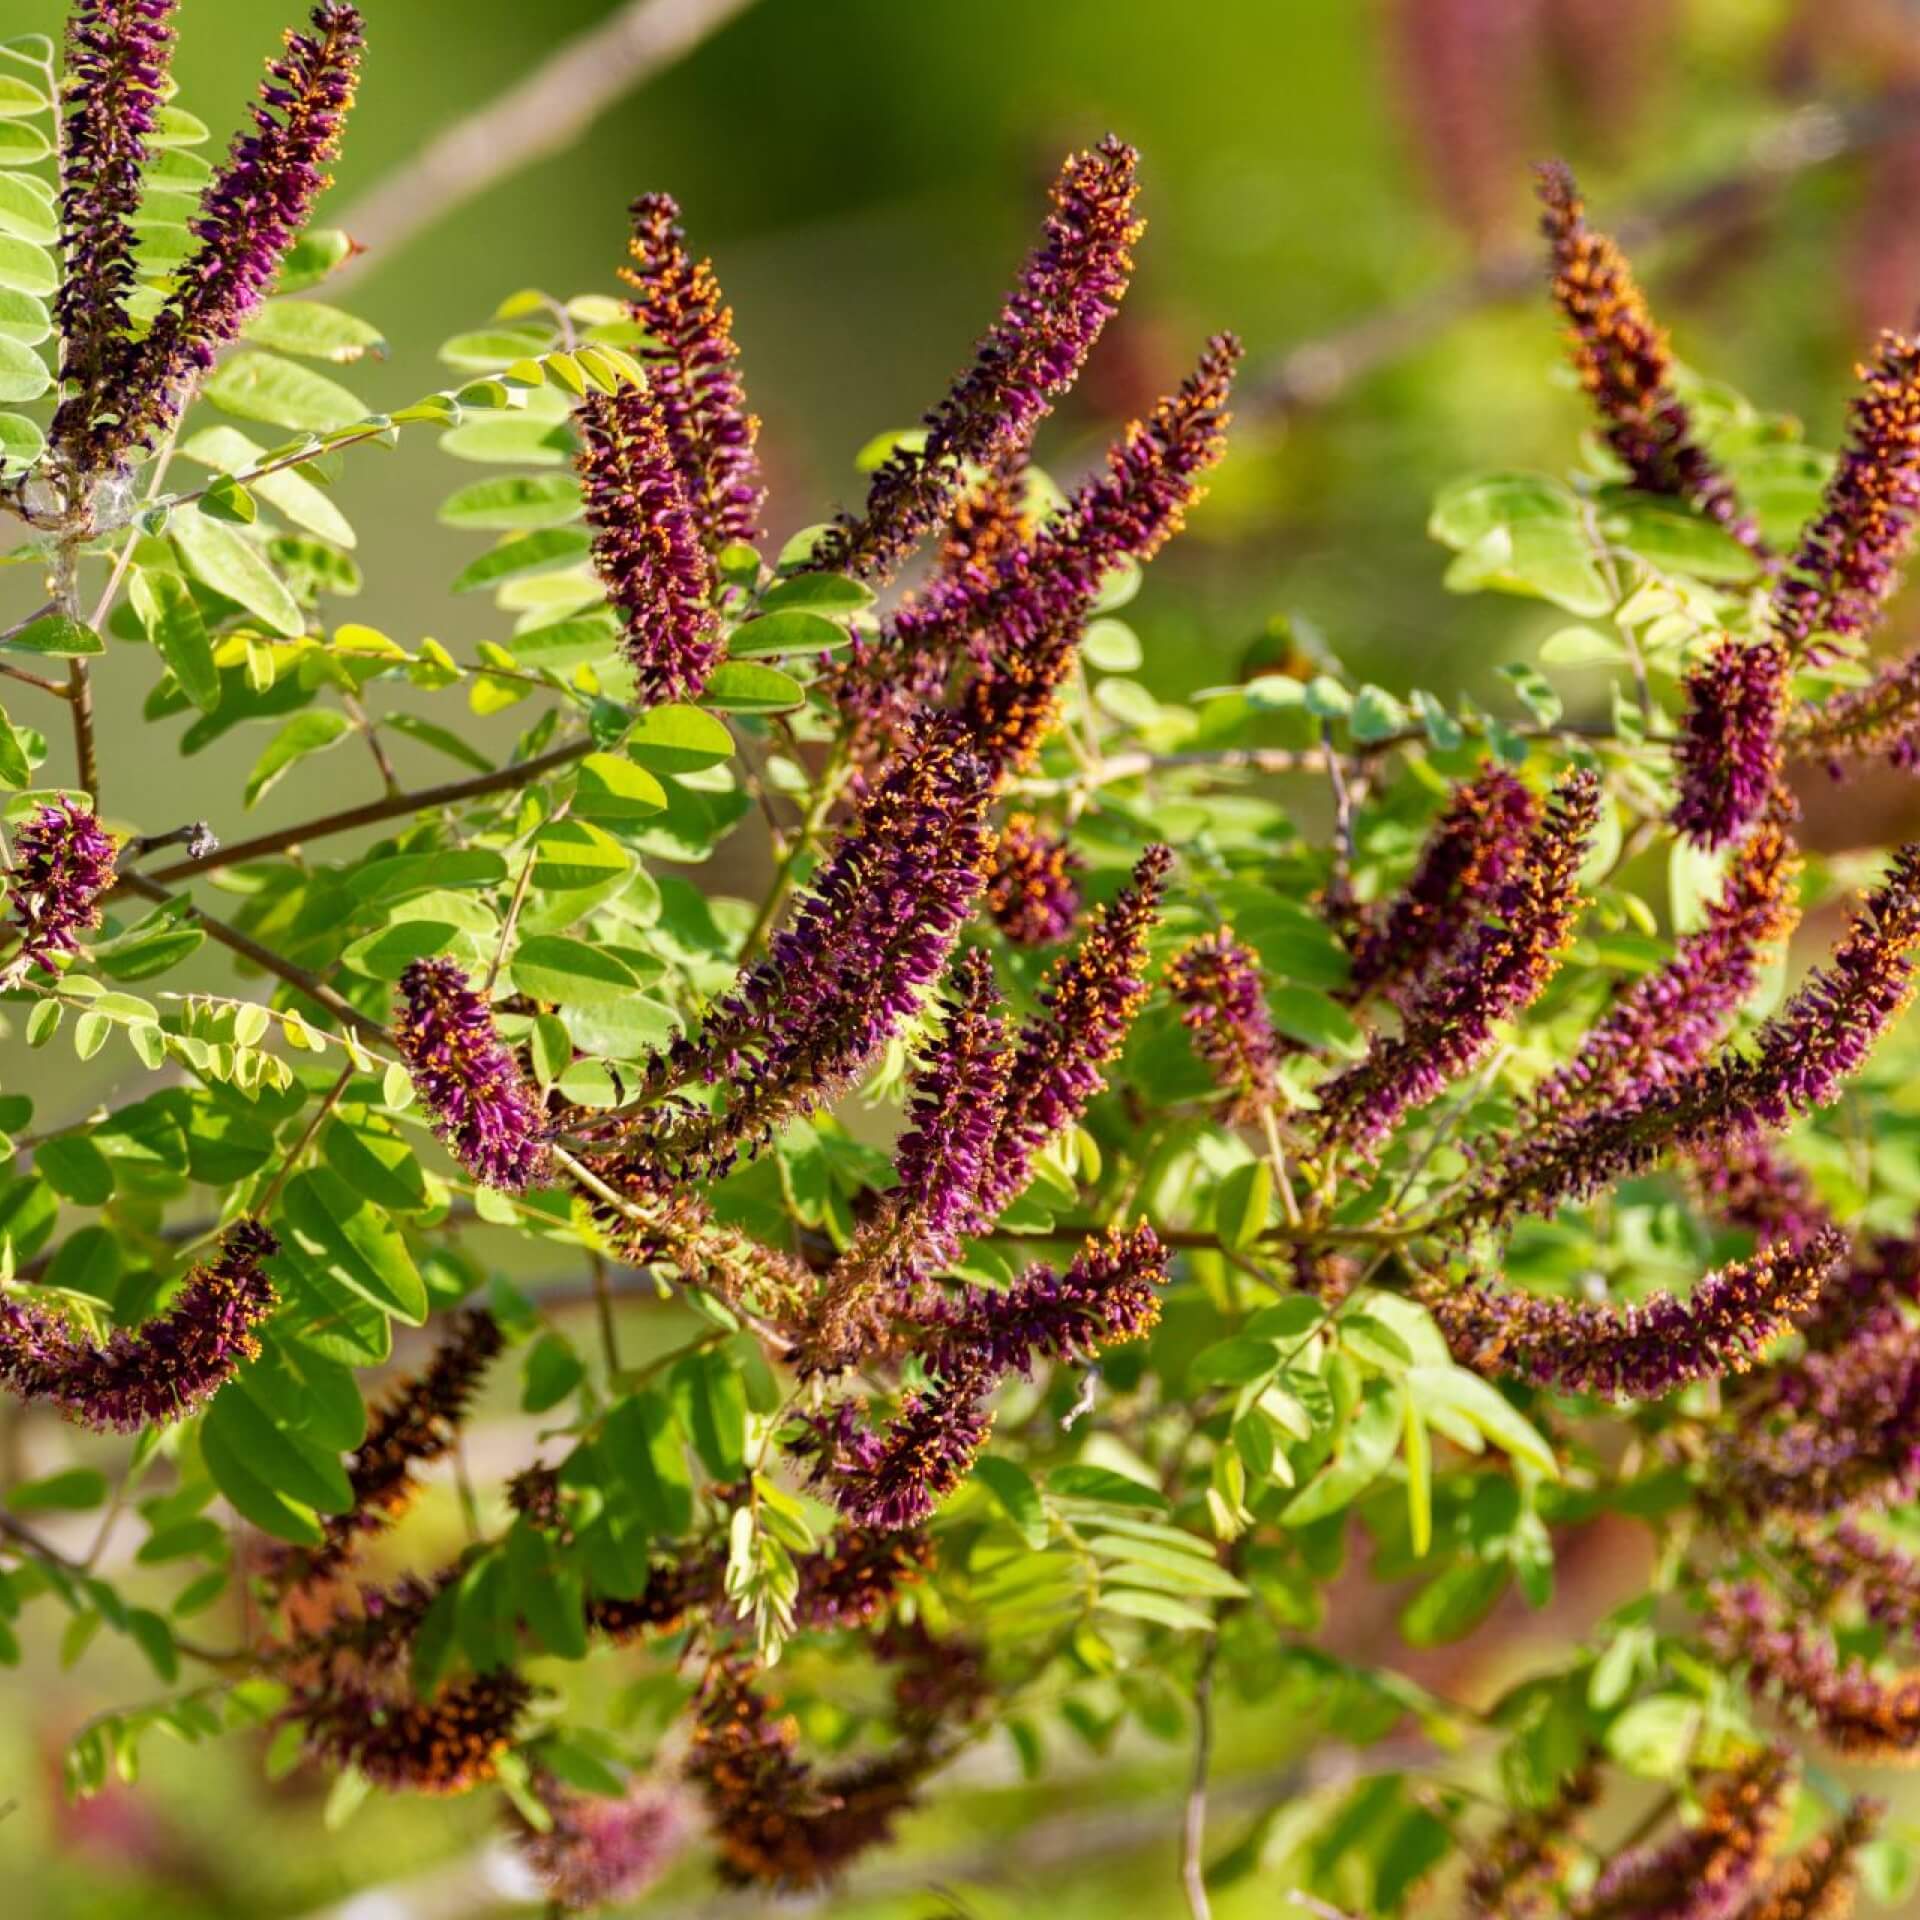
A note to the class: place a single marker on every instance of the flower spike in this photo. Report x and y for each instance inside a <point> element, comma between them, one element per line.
<point>63,862</point>
<point>1030,891</point>
<point>1218,987</point>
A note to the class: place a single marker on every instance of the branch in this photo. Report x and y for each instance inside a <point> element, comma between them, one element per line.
<point>392,806</point>
<point>544,113</point>
<point>1318,372</point>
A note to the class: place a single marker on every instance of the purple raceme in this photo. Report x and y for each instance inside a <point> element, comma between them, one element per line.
<point>692,377</point>
<point>604,1849</point>
<point>1707,1871</point>
<point>1012,620</point>
<point>1798,1061</point>
<point>1624,363</point>
<point>449,1744</point>
<point>1513,1877</point>
<point>1862,1717</point>
<point>1637,1352</point>
<point>63,861</point>
<point>871,934</point>
<point>959,1093</point>
<point>1031,892</point>
<point>856,1577</point>
<point>897,1477</point>
<point>646,545</point>
<point>1068,290</point>
<point>483,1107</point>
<point>1852,1563</point>
<point>1880,720</point>
<point>1218,986</point>
<point>1729,754</point>
<point>1848,562</point>
<point>1744,1182</point>
<point>1474,847</point>
<point>1498,971</point>
<point>251,213</point>
<point>994,516</point>
<point>1086,1010</point>
<point>118,53</point>
<point>681,1235</point>
<point>1818,1883</point>
<point>161,1372</point>
<point>1666,1023</point>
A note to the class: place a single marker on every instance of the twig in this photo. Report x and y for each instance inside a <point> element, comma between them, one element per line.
<point>264,1204</point>
<point>1193,1831</point>
<point>832,779</point>
<point>542,114</point>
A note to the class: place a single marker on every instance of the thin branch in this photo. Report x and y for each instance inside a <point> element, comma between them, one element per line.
<point>543,113</point>
<point>1193,1830</point>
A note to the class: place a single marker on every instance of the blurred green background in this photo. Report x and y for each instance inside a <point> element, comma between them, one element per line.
<point>866,174</point>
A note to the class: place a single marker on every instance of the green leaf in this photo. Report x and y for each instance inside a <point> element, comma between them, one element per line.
<point>536,552</point>
<point>1417,1451</point>
<point>311,258</point>
<point>23,213</point>
<point>21,441</point>
<point>219,558</point>
<point>794,631</point>
<point>16,769</point>
<point>570,973</point>
<point>274,1513</point>
<point>642,1441</point>
<point>677,739</point>
<point>1316,1020</point>
<point>1376,714</point>
<point>1520,533</point>
<point>25,268</point>
<point>228,449</point>
<point>744,686</point>
<point>817,593</point>
<point>1241,1203</point>
<point>613,788</point>
<point>20,99</point>
<point>438,738</point>
<point>1160,1608</point>
<point>1454,1602</point>
<point>22,145</point>
<point>579,641</point>
<point>23,374</point>
<point>1019,1499</point>
<point>75,1169</point>
<point>1365,1448</point>
<point>1655,1737</point>
<point>514,500</point>
<point>306,733</point>
<point>77,1490</point>
<point>311,328</point>
<point>262,386</point>
<point>53,634</point>
<point>710,1398</point>
<point>171,617</point>
<point>277,1458</point>
<point>348,1238</point>
<point>1456,1390</point>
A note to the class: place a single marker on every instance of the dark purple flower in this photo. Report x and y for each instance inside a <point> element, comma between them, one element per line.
<point>251,213</point>
<point>915,1231</point>
<point>690,356</point>
<point>1878,720</point>
<point>871,933</point>
<point>1665,1023</point>
<point>482,1106</point>
<point>1818,1883</point>
<point>604,1849</point>
<point>449,1744</point>
<point>1729,752</point>
<point>1473,848</point>
<point>1797,1061</point>
<point>646,545</point>
<point>1068,290</point>
<point>160,1372</point>
<point>895,1477</point>
<point>856,1577</point>
<point>1030,888</point>
<point>1623,361</point>
<point>1745,1182</point>
<point>1513,1876</point>
<point>117,58</point>
<point>1637,1352</point>
<point>1707,1871</point>
<point>1218,987</point>
<point>1862,1717</point>
<point>995,515</point>
<point>63,861</point>
<point>1849,558</point>
<point>414,1425</point>
<point>1498,971</point>
<point>1011,622</point>
<point>1086,1009</point>
<point>1852,1563</point>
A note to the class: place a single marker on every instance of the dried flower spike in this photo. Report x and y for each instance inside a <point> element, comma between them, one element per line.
<point>646,545</point>
<point>689,356</point>
<point>482,1106</point>
<point>63,861</point>
<point>1068,290</point>
<point>166,1369</point>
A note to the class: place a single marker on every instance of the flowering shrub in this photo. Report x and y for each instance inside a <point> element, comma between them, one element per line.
<point>1402,1202</point>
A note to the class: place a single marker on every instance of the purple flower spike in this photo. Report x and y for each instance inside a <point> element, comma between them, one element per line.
<point>1638,1352</point>
<point>1729,751</point>
<point>646,545</point>
<point>117,57</point>
<point>1622,358</point>
<point>1849,558</point>
<point>251,213</point>
<point>63,862</point>
<point>166,1370</point>
<point>603,1850</point>
<point>1473,848</point>
<point>1501,968</point>
<point>690,373</point>
<point>482,1106</point>
<point>1068,291</point>
<point>896,1478</point>
<point>1030,892</point>
<point>1217,985</point>
<point>869,936</point>
<point>1085,1012</point>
